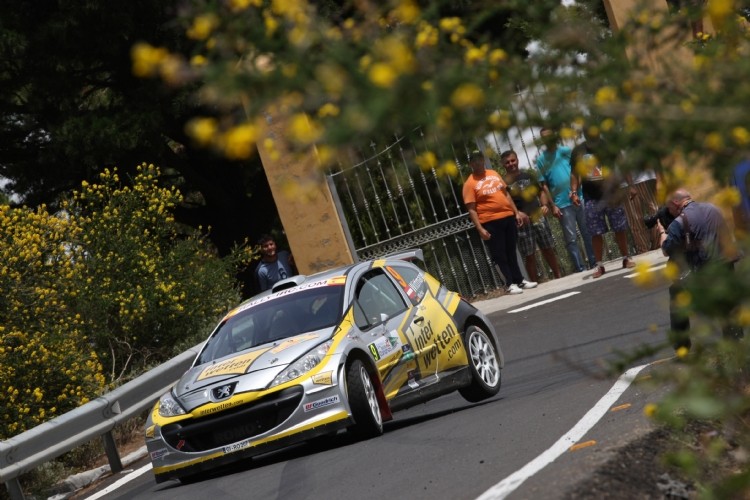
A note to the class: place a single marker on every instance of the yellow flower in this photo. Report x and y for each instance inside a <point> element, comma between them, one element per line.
<point>671,271</point>
<point>728,197</point>
<point>683,299</point>
<point>239,141</point>
<point>474,55</point>
<point>383,75</point>
<point>396,53</point>
<point>426,160</point>
<point>741,136</point>
<point>304,130</point>
<point>499,120</point>
<point>497,56</point>
<point>650,409</point>
<point>682,352</point>
<point>452,25</point>
<point>605,95</point>
<point>202,130</point>
<point>328,109</point>
<point>427,36</point>
<point>567,133</point>
<point>202,27</point>
<point>449,168</point>
<point>743,316</point>
<point>240,5</point>
<point>146,59</point>
<point>467,95</point>
<point>444,118</point>
<point>714,141</point>
<point>719,11</point>
<point>406,11</point>
<point>198,60</point>
<point>642,275</point>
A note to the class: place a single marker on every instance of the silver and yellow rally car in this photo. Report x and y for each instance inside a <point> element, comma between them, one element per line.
<point>336,350</point>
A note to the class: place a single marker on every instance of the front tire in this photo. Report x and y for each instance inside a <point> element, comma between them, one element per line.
<point>363,401</point>
<point>484,365</point>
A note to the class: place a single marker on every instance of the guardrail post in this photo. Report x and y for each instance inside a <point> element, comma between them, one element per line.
<point>115,464</point>
<point>14,489</point>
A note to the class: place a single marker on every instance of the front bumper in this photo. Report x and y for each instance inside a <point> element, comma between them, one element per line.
<point>277,420</point>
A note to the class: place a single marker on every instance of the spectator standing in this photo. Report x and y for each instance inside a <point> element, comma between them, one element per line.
<point>496,218</point>
<point>553,165</point>
<point>275,265</point>
<point>531,201</point>
<point>698,236</point>
<point>740,179</point>
<point>601,213</point>
<point>640,202</point>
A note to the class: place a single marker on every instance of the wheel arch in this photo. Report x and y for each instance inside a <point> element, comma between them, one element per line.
<point>467,315</point>
<point>372,370</point>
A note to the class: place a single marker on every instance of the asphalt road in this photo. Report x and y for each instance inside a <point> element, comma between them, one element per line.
<point>556,356</point>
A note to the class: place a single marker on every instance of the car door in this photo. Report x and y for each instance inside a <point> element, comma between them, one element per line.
<point>432,331</point>
<point>383,314</point>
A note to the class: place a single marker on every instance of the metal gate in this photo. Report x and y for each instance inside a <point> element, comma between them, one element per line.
<point>391,204</point>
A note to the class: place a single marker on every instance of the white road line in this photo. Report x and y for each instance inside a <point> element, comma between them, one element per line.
<point>649,270</point>
<point>120,482</point>
<point>537,304</point>
<point>510,483</point>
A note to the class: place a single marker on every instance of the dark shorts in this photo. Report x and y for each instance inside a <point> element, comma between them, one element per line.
<point>597,215</point>
<point>538,233</point>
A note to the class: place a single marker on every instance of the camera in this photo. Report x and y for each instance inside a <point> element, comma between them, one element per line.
<point>662,215</point>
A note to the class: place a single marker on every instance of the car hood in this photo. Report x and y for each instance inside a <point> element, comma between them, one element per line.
<point>260,364</point>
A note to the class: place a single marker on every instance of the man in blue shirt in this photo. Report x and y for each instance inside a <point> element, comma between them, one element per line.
<point>274,265</point>
<point>553,164</point>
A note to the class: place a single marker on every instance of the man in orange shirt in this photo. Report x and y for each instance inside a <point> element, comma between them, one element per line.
<point>496,218</point>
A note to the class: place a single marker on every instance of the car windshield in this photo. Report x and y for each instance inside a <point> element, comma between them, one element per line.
<point>276,317</point>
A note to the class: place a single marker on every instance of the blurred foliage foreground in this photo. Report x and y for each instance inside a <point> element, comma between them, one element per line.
<point>100,290</point>
<point>112,280</point>
<point>671,100</point>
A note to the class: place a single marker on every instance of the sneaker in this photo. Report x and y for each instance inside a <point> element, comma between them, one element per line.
<point>599,272</point>
<point>525,284</point>
<point>627,263</point>
<point>514,289</point>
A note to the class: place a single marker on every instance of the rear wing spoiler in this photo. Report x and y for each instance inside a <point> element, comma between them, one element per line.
<point>408,255</point>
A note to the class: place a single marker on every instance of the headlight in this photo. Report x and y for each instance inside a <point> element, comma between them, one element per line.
<point>169,407</point>
<point>303,364</point>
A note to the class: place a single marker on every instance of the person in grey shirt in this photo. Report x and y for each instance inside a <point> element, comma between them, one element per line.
<point>275,265</point>
<point>697,236</point>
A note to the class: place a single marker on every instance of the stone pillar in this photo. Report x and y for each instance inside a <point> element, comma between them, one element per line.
<point>305,204</point>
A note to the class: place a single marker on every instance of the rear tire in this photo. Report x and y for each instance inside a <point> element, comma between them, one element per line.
<point>484,365</point>
<point>363,401</point>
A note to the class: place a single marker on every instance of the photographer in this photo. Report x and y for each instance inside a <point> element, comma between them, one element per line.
<point>662,216</point>
<point>697,236</point>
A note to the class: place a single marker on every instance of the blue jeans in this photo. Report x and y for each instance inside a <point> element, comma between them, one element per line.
<point>573,216</point>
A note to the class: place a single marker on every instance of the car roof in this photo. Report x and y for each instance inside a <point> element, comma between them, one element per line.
<point>345,270</point>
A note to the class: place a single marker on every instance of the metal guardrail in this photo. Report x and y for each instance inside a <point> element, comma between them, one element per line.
<point>45,442</point>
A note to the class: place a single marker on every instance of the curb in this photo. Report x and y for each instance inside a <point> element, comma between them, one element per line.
<point>76,482</point>
<point>566,283</point>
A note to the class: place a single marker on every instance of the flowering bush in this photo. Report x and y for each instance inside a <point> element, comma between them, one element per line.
<point>47,365</point>
<point>109,285</point>
<point>147,284</point>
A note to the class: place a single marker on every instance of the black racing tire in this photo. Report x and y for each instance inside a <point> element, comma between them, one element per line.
<point>363,400</point>
<point>484,364</point>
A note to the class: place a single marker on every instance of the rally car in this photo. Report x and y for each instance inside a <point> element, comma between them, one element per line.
<point>316,354</point>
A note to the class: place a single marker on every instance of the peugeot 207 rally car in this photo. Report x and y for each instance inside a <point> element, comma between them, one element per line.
<point>336,350</point>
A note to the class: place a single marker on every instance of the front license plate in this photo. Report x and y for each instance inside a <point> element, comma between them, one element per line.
<point>236,446</point>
